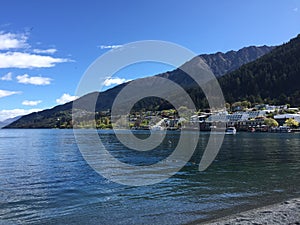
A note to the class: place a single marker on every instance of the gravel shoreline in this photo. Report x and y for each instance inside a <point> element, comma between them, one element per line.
<point>287,212</point>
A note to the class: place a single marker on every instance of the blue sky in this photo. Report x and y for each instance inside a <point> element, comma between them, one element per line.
<point>46,46</point>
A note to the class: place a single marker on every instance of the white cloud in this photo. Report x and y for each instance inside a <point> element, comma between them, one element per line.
<point>7,77</point>
<point>5,93</point>
<point>109,46</point>
<point>26,79</point>
<point>295,9</point>
<point>112,81</point>
<point>14,57</point>
<point>66,98</point>
<point>26,60</point>
<point>31,103</point>
<point>12,41</point>
<point>11,113</point>
<point>45,51</point>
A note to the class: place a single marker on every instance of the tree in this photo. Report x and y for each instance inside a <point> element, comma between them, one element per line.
<point>228,106</point>
<point>271,122</point>
<point>184,112</point>
<point>291,122</point>
<point>282,99</point>
<point>246,104</point>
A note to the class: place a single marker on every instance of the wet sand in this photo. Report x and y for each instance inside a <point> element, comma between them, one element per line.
<point>287,212</point>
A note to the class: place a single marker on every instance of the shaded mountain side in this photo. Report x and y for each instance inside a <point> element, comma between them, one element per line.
<point>274,78</point>
<point>62,113</point>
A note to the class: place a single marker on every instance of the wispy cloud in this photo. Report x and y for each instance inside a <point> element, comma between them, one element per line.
<point>295,9</point>
<point>45,51</point>
<point>26,79</point>
<point>109,46</point>
<point>66,98</point>
<point>26,60</point>
<point>31,103</point>
<point>113,81</point>
<point>7,77</point>
<point>12,41</point>
<point>11,113</point>
<point>5,93</point>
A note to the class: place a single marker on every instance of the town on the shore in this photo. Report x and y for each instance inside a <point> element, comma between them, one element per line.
<point>240,115</point>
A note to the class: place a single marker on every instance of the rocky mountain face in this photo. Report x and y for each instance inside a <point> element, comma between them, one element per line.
<point>223,63</point>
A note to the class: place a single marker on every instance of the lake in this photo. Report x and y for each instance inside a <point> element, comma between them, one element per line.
<point>45,180</point>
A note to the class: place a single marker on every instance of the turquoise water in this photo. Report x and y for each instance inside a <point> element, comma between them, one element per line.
<point>45,180</point>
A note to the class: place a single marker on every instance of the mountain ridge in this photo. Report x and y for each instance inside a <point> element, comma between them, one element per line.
<point>274,77</point>
<point>230,60</point>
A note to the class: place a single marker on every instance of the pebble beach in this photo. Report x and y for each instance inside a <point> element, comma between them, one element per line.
<point>287,212</point>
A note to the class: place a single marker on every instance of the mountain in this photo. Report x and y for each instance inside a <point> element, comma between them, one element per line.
<point>220,64</point>
<point>9,121</point>
<point>223,63</point>
<point>274,78</point>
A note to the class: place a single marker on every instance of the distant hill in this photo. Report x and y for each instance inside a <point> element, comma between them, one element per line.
<point>9,121</point>
<point>220,64</point>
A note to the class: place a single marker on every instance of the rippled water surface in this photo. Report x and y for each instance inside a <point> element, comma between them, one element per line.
<point>45,180</point>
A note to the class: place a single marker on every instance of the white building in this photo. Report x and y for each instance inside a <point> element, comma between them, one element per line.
<point>284,117</point>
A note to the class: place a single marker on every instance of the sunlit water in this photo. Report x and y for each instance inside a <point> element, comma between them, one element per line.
<point>45,180</point>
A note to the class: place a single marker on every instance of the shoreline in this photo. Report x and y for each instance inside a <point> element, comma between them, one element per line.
<point>286,212</point>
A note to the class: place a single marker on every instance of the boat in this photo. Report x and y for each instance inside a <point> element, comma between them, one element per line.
<point>230,130</point>
<point>281,129</point>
